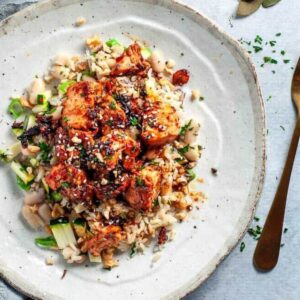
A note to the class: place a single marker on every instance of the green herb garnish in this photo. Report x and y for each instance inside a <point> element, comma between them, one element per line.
<point>65,184</point>
<point>257,49</point>
<point>155,202</point>
<point>45,151</point>
<point>242,246</point>
<point>268,59</point>
<point>184,149</point>
<point>255,232</point>
<point>133,250</point>
<point>184,128</point>
<point>112,105</point>
<point>258,39</point>
<point>134,121</point>
<point>139,182</point>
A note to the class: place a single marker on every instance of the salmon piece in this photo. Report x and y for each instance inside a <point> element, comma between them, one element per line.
<point>118,147</point>
<point>113,116</point>
<point>144,188</point>
<point>81,97</point>
<point>130,62</point>
<point>109,236</point>
<point>65,173</point>
<point>160,124</point>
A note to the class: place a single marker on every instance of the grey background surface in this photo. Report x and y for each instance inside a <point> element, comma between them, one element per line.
<point>236,277</point>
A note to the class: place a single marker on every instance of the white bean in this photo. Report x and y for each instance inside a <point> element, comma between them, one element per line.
<point>44,212</point>
<point>191,132</point>
<point>193,153</point>
<point>34,197</point>
<point>157,61</point>
<point>37,87</point>
<point>32,219</point>
<point>62,60</point>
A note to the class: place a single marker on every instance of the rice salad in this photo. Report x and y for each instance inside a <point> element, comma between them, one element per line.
<point>103,153</point>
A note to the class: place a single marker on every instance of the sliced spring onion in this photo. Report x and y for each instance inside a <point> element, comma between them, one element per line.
<point>112,42</point>
<point>47,242</point>
<point>63,232</point>
<point>63,86</point>
<point>19,170</point>
<point>146,52</point>
<point>95,259</point>
<point>41,107</point>
<point>15,108</point>
<point>17,131</point>
<point>79,225</point>
<point>24,186</point>
<point>10,153</point>
<point>34,162</point>
<point>30,121</point>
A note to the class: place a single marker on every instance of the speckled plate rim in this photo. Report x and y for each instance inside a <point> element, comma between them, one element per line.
<point>45,5</point>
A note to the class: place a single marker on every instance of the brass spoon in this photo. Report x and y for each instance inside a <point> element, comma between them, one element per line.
<point>267,250</point>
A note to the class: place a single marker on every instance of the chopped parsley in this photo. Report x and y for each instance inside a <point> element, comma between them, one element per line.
<point>258,39</point>
<point>139,181</point>
<point>257,48</point>
<point>184,128</point>
<point>109,123</point>
<point>112,105</point>
<point>45,151</point>
<point>155,202</point>
<point>282,52</point>
<point>153,163</point>
<point>278,34</point>
<point>255,232</point>
<point>256,219</point>
<point>65,184</point>
<point>268,59</point>
<point>272,43</point>
<point>133,250</point>
<point>285,230</point>
<point>286,61</point>
<point>134,121</point>
<point>184,149</point>
<point>242,246</point>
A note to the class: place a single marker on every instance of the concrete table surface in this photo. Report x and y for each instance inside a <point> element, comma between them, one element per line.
<point>236,277</point>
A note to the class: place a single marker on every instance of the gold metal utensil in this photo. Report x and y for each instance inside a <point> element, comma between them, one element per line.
<point>267,250</point>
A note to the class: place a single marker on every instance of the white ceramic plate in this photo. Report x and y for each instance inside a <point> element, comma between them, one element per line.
<point>233,134</point>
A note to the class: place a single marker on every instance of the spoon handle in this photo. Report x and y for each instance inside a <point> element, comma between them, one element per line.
<point>267,249</point>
